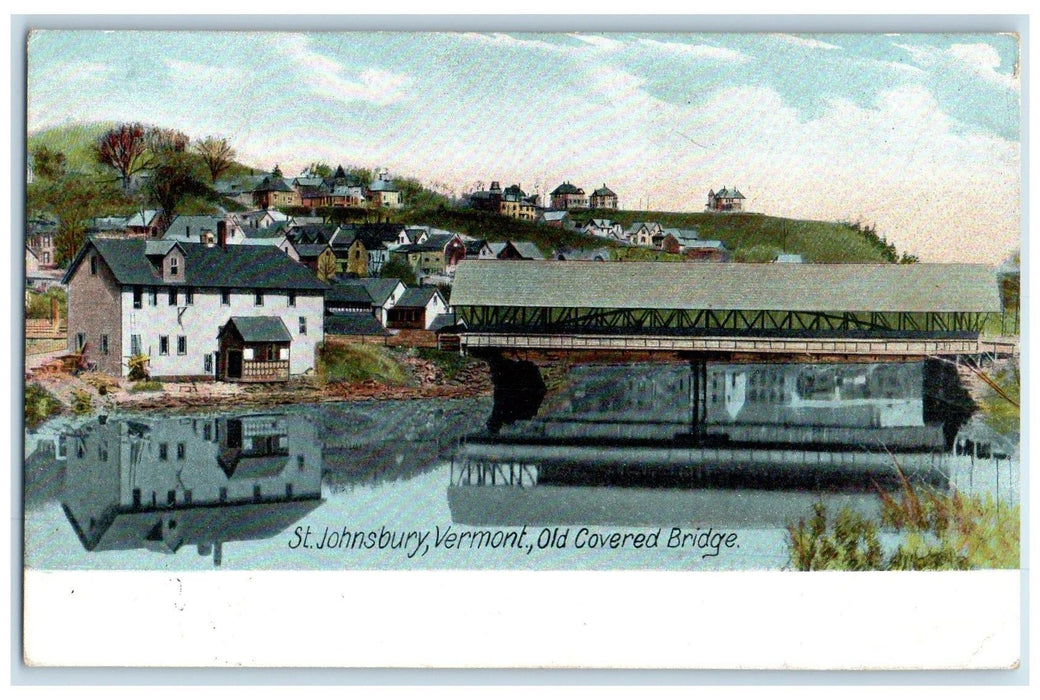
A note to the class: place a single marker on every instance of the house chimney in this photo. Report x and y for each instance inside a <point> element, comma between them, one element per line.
<point>222,234</point>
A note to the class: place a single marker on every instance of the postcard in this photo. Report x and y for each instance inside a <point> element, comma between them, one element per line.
<point>424,336</point>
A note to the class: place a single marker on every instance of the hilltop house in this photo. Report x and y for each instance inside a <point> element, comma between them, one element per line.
<point>516,204</point>
<point>603,198</point>
<point>558,219</point>
<point>170,301</point>
<point>643,233</point>
<point>725,200</point>
<point>383,193</point>
<point>567,196</point>
<point>604,228</point>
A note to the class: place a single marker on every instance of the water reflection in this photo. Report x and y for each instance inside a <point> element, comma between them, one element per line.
<point>162,484</point>
<point>726,444</point>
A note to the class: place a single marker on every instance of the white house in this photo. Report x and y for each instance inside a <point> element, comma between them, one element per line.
<point>170,301</point>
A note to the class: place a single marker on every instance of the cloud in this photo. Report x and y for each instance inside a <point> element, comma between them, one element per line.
<point>696,51</point>
<point>807,42</point>
<point>326,77</point>
<point>983,60</point>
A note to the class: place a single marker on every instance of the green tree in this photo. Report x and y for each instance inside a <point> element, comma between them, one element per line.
<point>173,181</point>
<point>396,268</point>
<point>321,169</point>
<point>74,201</point>
<point>48,164</point>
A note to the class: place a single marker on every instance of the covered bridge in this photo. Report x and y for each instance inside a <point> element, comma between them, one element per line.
<point>722,300</point>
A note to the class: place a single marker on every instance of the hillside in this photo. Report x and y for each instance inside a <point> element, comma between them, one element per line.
<point>750,237</point>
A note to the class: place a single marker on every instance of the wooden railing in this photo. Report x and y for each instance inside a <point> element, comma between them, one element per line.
<point>265,370</point>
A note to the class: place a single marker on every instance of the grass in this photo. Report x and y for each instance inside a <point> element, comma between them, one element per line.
<point>39,304</point>
<point>358,363</point>
<point>40,405</point>
<point>146,385</point>
<point>450,363</point>
<point>1000,409</point>
<point>936,530</point>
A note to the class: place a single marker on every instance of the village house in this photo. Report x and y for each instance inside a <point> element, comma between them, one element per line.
<point>363,249</point>
<point>706,251</point>
<point>169,301</point>
<point>478,249</point>
<point>319,259</point>
<point>274,237</point>
<point>203,229</point>
<point>567,196</point>
<point>515,250</point>
<point>239,189</point>
<point>145,224</point>
<point>489,200</point>
<point>516,204</point>
<point>39,237</point>
<point>603,198</point>
<point>383,193</point>
<point>725,200</point>
<point>643,232</point>
<point>361,306</point>
<point>438,255</point>
<point>274,192</point>
<point>557,219</point>
<point>419,308</point>
<point>604,228</point>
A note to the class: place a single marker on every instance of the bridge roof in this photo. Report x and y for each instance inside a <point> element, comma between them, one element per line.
<point>919,287</point>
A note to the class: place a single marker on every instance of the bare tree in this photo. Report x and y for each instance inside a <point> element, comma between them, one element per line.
<point>123,148</point>
<point>217,154</point>
<point>163,142</point>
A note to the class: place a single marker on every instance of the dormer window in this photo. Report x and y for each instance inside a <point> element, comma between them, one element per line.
<point>175,266</point>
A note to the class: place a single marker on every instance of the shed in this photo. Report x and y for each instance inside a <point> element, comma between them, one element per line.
<point>253,349</point>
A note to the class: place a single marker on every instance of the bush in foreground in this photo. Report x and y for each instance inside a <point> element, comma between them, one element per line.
<point>40,405</point>
<point>358,363</point>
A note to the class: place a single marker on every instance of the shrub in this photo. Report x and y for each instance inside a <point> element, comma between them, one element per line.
<point>450,363</point>
<point>138,365</point>
<point>40,405</point>
<point>357,363</point>
<point>82,404</point>
<point>146,385</point>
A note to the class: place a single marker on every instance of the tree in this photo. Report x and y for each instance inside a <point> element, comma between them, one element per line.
<point>277,172</point>
<point>395,268</point>
<point>73,201</point>
<point>173,181</point>
<point>48,164</point>
<point>217,154</point>
<point>327,268</point>
<point>322,170</point>
<point>124,149</point>
<point>162,142</point>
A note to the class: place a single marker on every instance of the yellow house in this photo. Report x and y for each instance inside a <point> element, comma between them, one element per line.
<point>357,258</point>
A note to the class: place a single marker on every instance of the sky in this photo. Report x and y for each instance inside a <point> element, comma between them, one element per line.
<point>918,134</point>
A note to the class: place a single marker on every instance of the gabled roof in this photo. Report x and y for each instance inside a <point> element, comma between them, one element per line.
<point>380,288</point>
<point>716,245</point>
<point>417,297</point>
<point>160,248</point>
<point>273,184</point>
<point>310,250</point>
<point>348,292</point>
<point>554,215</point>
<point>245,267</point>
<point>309,181</point>
<point>383,186</point>
<point>189,228</point>
<point>473,247</point>
<point>528,250</point>
<point>148,220</point>
<point>259,329</point>
<point>604,192</point>
<point>920,287</point>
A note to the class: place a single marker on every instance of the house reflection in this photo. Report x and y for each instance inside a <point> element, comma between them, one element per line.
<point>162,484</point>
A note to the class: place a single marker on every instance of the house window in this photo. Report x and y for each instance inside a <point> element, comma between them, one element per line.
<point>180,450</point>
<point>174,266</point>
<point>182,345</point>
<point>173,296</point>
<point>153,295</point>
<point>189,296</point>
<point>135,344</point>
<point>225,298</point>
<point>207,363</point>
<point>104,344</point>
<point>299,462</point>
<point>303,325</point>
<point>81,340</point>
<point>138,293</point>
<point>164,345</point>
<point>93,264</point>
<point>258,298</point>
<point>292,298</point>
<point>164,451</point>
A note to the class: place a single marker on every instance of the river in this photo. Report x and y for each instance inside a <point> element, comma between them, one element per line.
<point>607,472</point>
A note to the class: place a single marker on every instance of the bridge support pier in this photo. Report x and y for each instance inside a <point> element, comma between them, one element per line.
<point>698,397</point>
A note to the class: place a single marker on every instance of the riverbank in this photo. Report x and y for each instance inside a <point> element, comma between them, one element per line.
<point>419,377</point>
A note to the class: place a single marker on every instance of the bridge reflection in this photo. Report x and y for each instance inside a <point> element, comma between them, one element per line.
<point>716,443</point>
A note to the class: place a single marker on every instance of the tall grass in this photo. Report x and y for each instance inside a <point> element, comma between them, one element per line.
<point>357,363</point>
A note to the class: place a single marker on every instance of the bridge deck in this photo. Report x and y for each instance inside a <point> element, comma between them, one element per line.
<point>815,346</point>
